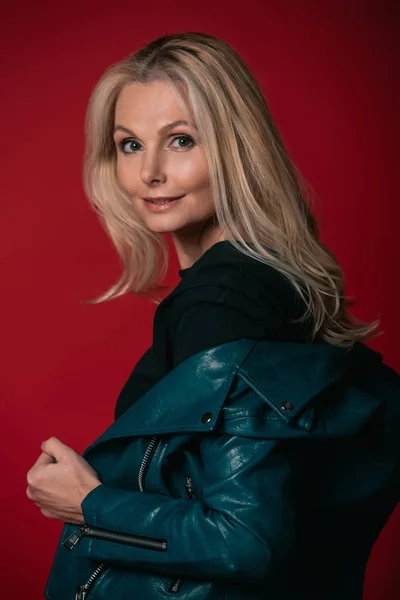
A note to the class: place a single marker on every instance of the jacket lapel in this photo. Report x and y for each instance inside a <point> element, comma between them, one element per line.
<point>187,398</point>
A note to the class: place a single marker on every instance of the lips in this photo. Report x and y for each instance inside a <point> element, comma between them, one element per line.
<point>162,198</point>
<point>154,205</point>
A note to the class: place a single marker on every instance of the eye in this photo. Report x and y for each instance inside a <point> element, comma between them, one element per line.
<point>128,143</point>
<point>123,144</point>
<point>187,138</point>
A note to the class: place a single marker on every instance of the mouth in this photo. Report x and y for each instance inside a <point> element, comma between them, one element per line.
<point>161,203</point>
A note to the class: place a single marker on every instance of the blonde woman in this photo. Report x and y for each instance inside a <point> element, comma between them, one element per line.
<point>255,448</point>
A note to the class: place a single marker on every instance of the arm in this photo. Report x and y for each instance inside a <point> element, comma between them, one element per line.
<point>240,530</point>
<point>243,524</point>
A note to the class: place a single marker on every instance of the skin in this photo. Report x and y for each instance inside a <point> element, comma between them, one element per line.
<point>156,165</point>
<point>59,481</point>
<point>165,165</point>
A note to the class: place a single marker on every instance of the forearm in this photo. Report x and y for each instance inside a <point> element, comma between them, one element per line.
<point>240,528</point>
<point>180,536</point>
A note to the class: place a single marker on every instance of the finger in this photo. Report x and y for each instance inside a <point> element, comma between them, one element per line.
<point>31,496</point>
<point>44,459</point>
<point>48,514</point>
<point>54,447</point>
<point>53,459</point>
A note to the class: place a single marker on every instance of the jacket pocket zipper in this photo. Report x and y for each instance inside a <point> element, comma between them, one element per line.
<point>176,584</point>
<point>133,540</point>
<point>113,536</point>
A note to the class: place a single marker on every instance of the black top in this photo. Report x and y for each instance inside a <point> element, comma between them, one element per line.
<point>222,297</point>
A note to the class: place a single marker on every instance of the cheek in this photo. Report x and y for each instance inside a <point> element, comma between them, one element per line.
<point>126,176</point>
<point>193,173</point>
<point>187,173</point>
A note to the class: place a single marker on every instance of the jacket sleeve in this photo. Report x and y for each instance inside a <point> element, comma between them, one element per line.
<point>240,530</point>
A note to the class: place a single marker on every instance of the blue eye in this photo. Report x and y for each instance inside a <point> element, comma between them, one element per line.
<point>124,143</point>
<point>185,137</point>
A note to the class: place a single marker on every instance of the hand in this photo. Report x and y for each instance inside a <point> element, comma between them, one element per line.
<point>59,481</point>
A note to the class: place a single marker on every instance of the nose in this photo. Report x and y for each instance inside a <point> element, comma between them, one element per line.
<point>152,168</point>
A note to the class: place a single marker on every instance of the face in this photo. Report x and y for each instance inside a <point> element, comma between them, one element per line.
<point>155,158</point>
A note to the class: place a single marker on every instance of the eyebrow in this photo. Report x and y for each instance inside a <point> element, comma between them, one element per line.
<point>160,131</point>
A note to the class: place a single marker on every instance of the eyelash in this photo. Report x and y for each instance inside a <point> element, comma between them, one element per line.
<point>126,140</point>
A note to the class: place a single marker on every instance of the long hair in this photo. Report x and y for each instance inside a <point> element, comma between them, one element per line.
<point>262,203</point>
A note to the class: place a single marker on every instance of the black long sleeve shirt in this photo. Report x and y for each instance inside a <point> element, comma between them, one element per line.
<point>222,297</point>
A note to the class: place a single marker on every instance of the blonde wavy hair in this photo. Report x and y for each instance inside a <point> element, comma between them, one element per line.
<point>262,203</point>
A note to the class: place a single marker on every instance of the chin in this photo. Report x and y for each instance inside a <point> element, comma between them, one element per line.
<point>163,227</point>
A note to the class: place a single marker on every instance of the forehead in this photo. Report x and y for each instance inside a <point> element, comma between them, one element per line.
<point>152,102</point>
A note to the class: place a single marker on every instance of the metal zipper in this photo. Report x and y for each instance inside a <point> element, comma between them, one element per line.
<point>113,536</point>
<point>154,544</point>
<point>83,590</point>
<point>177,583</point>
<point>189,488</point>
<point>145,462</point>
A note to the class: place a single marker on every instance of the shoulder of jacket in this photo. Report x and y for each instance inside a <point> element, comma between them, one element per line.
<point>267,390</point>
<point>287,389</point>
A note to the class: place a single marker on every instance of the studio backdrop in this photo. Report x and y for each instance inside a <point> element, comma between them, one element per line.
<point>327,70</point>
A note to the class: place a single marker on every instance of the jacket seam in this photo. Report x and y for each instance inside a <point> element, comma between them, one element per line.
<point>267,417</point>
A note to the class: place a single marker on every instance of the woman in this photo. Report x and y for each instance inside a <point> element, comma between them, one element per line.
<point>254,452</point>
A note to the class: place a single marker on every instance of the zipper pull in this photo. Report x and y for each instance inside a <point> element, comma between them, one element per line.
<point>189,487</point>
<point>75,538</point>
<point>81,592</point>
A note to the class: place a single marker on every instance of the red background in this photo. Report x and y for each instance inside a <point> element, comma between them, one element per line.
<point>328,72</point>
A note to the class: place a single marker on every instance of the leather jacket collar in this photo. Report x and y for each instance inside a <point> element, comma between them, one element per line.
<point>189,398</point>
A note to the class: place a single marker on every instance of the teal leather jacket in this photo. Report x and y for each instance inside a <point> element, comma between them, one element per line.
<point>253,470</point>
